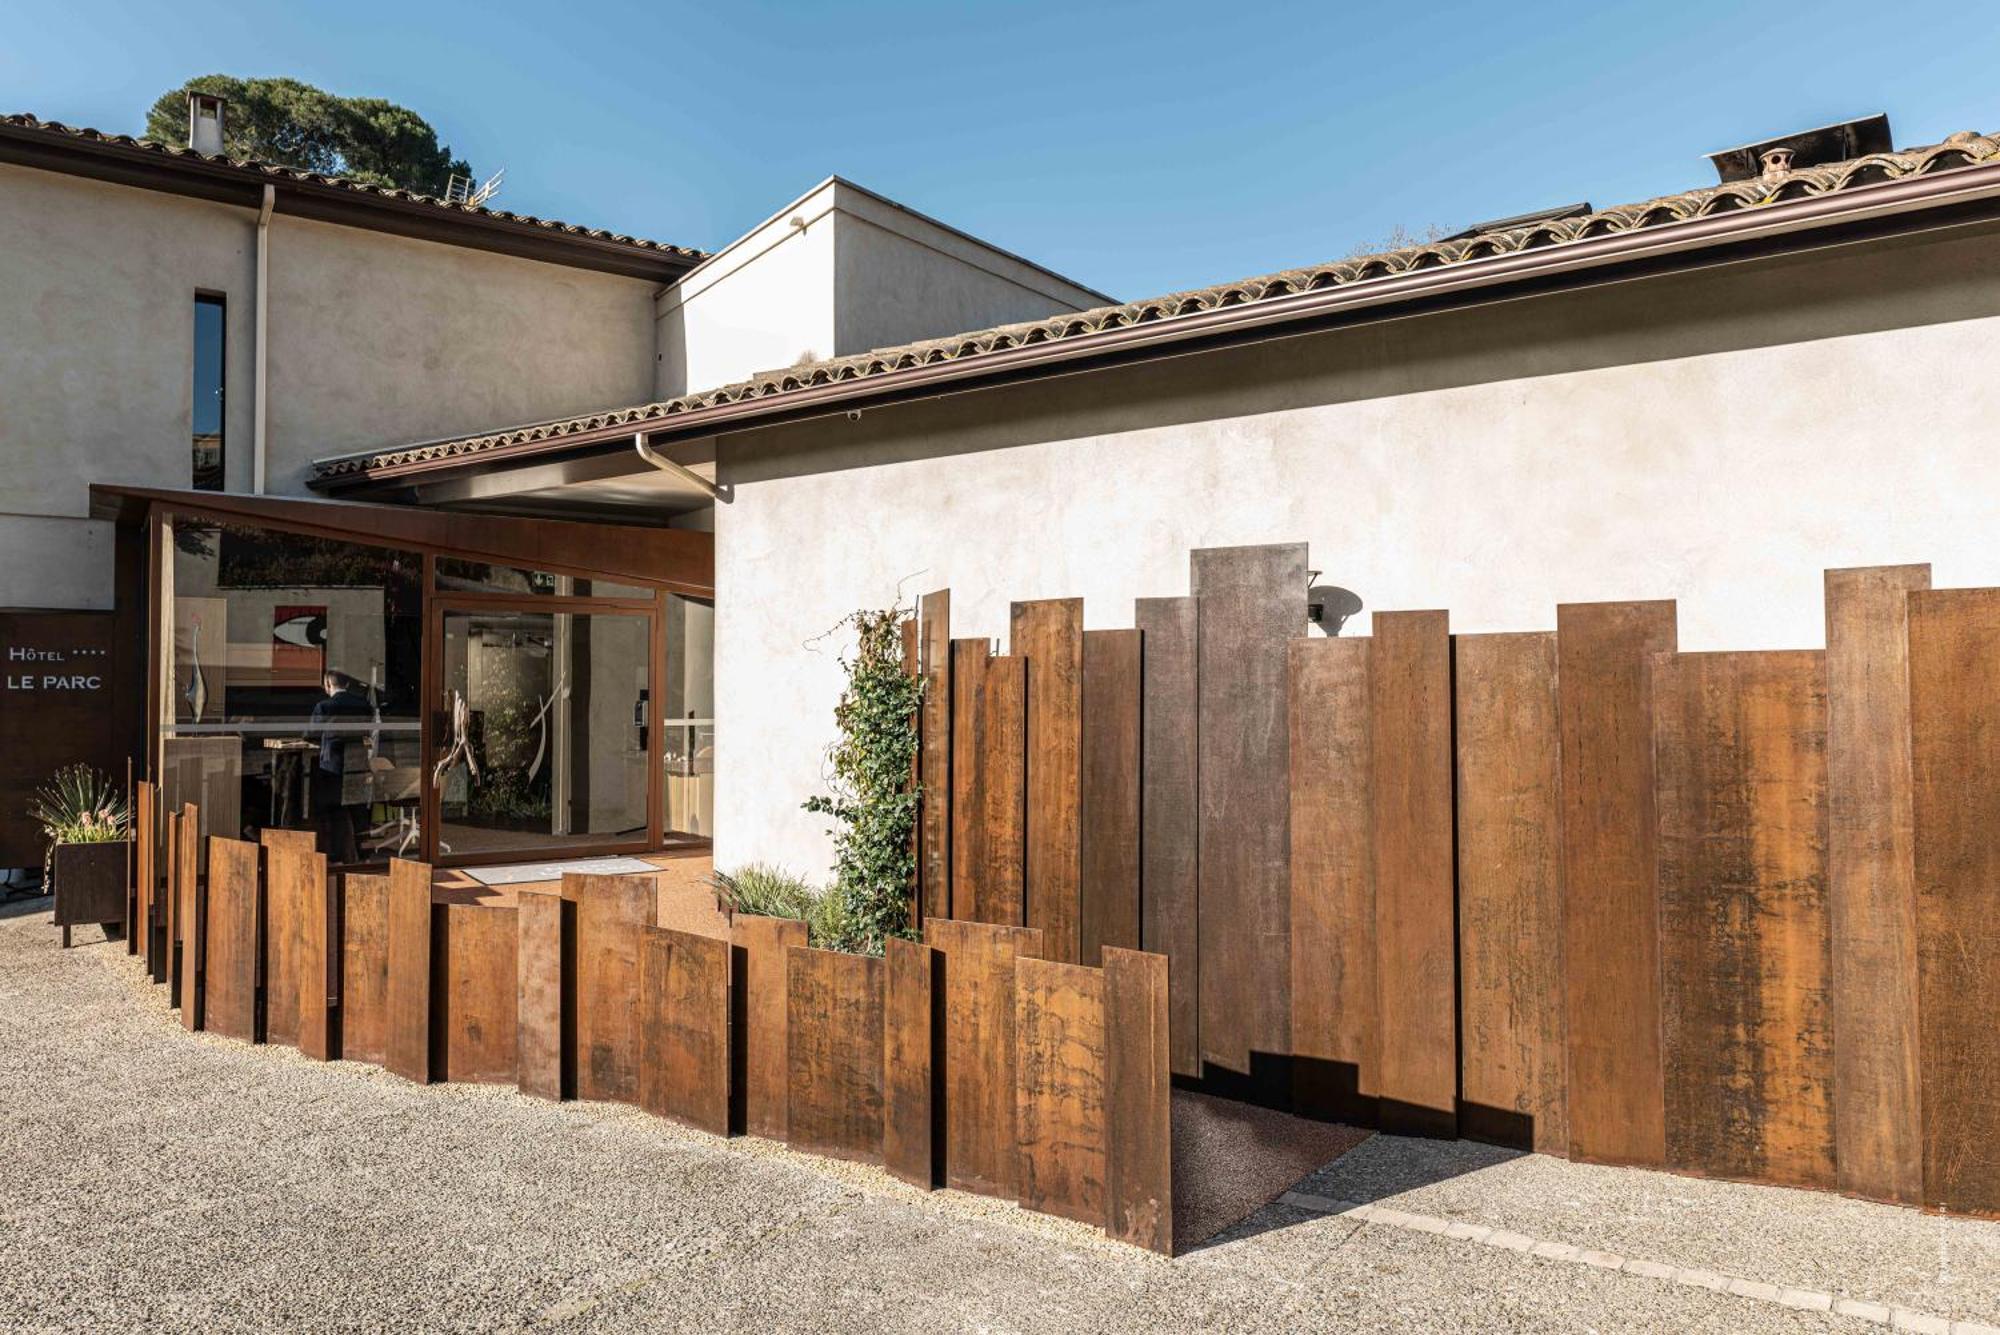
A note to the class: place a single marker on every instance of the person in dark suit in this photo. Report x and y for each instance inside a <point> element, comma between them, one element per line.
<point>341,772</point>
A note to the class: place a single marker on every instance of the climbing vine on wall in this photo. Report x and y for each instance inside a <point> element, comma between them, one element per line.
<point>874,798</point>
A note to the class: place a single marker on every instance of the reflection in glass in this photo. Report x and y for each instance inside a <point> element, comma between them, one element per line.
<point>291,692</point>
<point>457,575</point>
<point>546,740</point>
<point>690,716</point>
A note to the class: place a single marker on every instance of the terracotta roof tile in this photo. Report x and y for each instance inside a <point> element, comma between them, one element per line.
<point>272,170</point>
<point>1960,150</point>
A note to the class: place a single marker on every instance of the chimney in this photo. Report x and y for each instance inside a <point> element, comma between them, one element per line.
<point>205,122</point>
<point>1769,159</point>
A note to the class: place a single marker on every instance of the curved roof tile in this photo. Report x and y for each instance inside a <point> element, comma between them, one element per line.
<point>272,169</point>
<point>1960,150</point>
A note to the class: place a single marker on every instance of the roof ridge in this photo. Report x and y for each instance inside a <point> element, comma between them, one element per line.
<point>1963,149</point>
<point>27,121</point>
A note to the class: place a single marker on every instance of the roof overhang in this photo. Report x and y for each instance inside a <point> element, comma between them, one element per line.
<point>1959,197</point>
<point>679,558</point>
<point>226,183</point>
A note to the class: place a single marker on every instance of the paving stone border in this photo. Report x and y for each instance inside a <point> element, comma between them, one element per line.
<point>1807,1300</point>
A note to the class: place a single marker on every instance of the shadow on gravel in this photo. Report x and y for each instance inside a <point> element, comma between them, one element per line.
<point>1240,1143</point>
<point>1232,1159</point>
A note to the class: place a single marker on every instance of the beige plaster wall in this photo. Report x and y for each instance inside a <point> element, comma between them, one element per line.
<point>374,340</point>
<point>97,364</point>
<point>379,339</point>
<point>1718,438</point>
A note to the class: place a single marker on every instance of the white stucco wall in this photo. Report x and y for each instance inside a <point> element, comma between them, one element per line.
<point>901,276</point>
<point>763,302</point>
<point>1718,439</point>
<point>841,270</point>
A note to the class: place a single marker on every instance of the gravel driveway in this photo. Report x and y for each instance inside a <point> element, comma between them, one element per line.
<point>181,1182</point>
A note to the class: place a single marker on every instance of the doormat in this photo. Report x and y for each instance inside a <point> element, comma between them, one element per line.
<point>520,873</point>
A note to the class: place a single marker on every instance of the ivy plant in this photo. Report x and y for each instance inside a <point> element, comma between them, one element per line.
<point>874,798</point>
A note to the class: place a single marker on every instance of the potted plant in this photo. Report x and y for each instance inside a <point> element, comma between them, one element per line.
<point>87,824</point>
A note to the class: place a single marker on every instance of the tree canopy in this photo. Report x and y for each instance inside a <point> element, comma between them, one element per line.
<point>297,125</point>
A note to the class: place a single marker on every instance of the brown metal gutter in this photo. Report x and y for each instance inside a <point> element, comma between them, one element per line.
<point>1470,278</point>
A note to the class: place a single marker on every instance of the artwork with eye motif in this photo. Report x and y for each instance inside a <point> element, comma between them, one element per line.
<point>298,644</point>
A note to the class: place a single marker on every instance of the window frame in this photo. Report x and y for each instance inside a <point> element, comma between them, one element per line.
<point>204,297</point>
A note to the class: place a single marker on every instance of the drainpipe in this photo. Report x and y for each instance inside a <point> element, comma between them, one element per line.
<point>681,471</point>
<point>257,448</point>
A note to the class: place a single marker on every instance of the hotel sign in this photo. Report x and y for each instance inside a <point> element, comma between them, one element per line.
<point>74,668</point>
<point>58,706</point>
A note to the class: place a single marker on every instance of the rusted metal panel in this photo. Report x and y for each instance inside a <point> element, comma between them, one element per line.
<point>1871,882</point>
<point>479,993</point>
<point>288,873</point>
<point>316,981</point>
<point>145,862</point>
<point>1955,771</point>
<point>981,1150</point>
<point>409,987</point>
<point>1048,633</point>
<point>1510,964</point>
<point>1059,1079</point>
<point>761,945</point>
<point>989,778</point>
<point>909,1098</point>
<point>1739,744</point>
<point>1335,1029</point>
<point>1168,800</point>
<point>1416,932</point>
<point>364,968</point>
<point>1251,602</point>
<point>934,755</point>
<point>545,994</point>
<point>1138,1101</point>
<point>611,911</point>
<point>1109,889</point>
<point>192,897</point>
<point>834,1053</point>
<point>231,946</point>
<point>684,998</point>
<point>1611,911</point>
<point>180,905</point>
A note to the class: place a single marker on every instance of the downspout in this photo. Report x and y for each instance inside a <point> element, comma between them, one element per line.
<point>258,445</point>
<point>681,471</point>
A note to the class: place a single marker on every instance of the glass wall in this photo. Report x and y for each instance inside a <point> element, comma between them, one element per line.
<point>291,695</point>
<point>496,713</point>
<point>689,720</point>
<point>548,731</point>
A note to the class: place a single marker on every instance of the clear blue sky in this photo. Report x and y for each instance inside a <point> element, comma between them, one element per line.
<point>1137,147</point>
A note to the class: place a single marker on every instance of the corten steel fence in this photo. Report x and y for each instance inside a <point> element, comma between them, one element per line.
<point>962,1058</point>
<point>1727,914</point>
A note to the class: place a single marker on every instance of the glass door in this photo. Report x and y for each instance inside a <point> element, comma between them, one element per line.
<point>544,743</point>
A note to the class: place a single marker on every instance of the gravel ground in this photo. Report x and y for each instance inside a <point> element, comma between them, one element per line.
<point>186,1182</point>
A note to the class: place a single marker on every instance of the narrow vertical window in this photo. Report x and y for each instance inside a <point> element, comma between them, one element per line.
<point>208,392</point>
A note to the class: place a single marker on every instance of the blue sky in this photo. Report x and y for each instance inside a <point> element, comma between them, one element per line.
<point>1137,147</point>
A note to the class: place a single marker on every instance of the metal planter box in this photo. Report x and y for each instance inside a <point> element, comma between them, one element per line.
<point>90,885</point>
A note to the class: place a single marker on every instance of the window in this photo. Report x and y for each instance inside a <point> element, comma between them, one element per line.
<point>689,742</point>
<point>209,341</point>
<point>291,695</point>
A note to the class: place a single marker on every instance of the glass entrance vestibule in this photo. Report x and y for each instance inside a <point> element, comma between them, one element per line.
<point>433,685</point>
